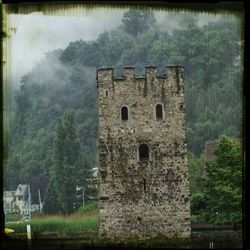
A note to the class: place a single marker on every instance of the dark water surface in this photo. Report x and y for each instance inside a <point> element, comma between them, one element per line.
<point>198,240</point>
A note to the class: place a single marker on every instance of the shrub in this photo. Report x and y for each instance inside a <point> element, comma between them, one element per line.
<point>89,207</point>
<point>12,217</point>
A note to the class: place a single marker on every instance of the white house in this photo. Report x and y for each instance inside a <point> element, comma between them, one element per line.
<point>21,198</point>
<point>8,197</point>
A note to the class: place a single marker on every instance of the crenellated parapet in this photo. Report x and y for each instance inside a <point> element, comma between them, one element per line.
<point>173,76</point>
<point>129,73</point>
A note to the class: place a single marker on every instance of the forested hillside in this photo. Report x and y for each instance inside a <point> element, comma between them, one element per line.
<point>65,79</point>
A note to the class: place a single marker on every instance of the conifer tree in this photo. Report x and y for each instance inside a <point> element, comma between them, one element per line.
<point>68,164</point>
<point>51,203</point>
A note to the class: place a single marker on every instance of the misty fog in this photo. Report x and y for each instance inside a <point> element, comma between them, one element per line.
<point>35,34</point>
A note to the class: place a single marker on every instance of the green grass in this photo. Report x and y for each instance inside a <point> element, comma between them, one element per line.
<point>59,226</point>
<point>86,221</point>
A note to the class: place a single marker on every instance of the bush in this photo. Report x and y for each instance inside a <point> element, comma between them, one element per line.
<point>89,207</point>
<point>12,217</point>
<point>198,203</point>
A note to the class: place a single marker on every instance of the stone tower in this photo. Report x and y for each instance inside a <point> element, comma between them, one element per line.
<point>143,167</point>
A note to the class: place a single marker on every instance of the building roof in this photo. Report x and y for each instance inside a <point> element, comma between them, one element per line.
<point>9,193</point>
<point>21,189</point>
<point>211,146</point>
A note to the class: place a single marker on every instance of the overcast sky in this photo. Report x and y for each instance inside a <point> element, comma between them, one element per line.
<point>35,34</point>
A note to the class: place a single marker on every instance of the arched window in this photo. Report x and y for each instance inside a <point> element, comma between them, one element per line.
<point>124,113</point>
<point>106,93</point>
<point>159,112</point>
<point>143,152</point>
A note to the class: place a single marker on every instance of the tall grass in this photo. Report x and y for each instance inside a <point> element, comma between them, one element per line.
<point>60,225</point>
<point>85,219</point>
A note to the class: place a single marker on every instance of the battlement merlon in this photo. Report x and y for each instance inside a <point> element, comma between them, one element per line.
<point>173,72</point>
<point>105,75</point>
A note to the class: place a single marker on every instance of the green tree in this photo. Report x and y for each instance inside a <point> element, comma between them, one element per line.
<point>198,206</point>
<point>196,166</point>
<point>51,202</point>
<point>137,21</point>
<point>38,183</point>
<point>68,163</point>
<point>224,186</point>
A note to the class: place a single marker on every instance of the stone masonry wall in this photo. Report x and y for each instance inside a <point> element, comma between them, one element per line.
<point>142,197</point>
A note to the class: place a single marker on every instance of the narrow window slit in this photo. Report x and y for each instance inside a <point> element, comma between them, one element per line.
<point>159,112</point>
<point>143,152</point>
<point>144,184</point>
<point>124,113</point>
